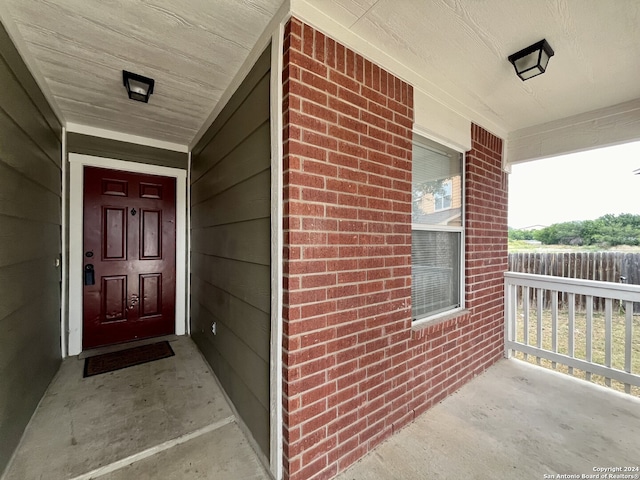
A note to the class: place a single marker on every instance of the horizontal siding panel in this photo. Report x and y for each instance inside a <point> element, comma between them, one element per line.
<point>23,198</point>
<point>249,324</point>
<point>253,414</point>
<point>248,159</point>
<point>247,281</point>
<point>21,282</point>
<point>231,248</point>
<point>249,116</point>
<point>248,200</point>
<point>21,73</point>
<point>19,107</point>
<point>259,70</point>
<point>25,378</point>
<point>18,330</point>
<point>20,152</point>
<point>252,370</point>
<point>248,241</point>
<point>30,219</point>
<point>22,240</point>
<point>107,148</point>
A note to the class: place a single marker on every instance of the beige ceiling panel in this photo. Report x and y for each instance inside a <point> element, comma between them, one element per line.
<point>192,49</point>
<point>110,120</point>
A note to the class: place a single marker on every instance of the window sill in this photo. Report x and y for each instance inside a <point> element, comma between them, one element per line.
<point>420,328</point>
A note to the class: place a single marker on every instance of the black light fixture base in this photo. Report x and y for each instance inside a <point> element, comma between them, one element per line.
<point>138,87</point>
<point>533,60</point>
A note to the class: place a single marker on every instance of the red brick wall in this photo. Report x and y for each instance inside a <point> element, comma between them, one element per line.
<point>354,369</point>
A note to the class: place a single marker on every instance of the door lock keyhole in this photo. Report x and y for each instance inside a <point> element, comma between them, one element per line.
<point>133,212</point>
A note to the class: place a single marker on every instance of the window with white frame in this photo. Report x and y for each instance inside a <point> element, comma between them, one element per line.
<point>437,229</point>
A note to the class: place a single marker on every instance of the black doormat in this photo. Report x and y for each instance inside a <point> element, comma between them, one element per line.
<point>109,362</point>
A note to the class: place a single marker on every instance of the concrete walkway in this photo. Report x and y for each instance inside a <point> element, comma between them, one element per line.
<point>166,419</point>
<point>515,421</point>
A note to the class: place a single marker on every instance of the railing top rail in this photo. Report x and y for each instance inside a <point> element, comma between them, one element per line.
<point>579,286</point>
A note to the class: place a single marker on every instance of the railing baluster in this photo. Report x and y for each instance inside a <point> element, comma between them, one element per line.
<point>511,314</point>
<point>589,333</point>
<point>571,327</point>
<point>514,313</point>
<point>608,331</point>
<point>539,315</point>
<point>554,325</point>
<point>539,337</point>
<point>628,340</point>
<point>596,294</point>
<point>525,308</point>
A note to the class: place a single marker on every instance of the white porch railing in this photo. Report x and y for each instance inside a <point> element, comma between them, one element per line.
<point>536,326</point>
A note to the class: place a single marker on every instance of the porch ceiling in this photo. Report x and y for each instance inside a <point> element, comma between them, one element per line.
<point>192,49</point>
<point>457,50</point>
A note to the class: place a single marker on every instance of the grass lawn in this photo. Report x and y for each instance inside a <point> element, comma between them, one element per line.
<point>598,342</point>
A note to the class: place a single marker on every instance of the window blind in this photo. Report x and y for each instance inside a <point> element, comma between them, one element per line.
<point>435,263</point>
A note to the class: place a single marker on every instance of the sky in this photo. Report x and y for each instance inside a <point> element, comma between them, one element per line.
<point>578,186</point>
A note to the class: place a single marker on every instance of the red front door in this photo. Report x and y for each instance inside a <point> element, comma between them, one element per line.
<point>129,256</point>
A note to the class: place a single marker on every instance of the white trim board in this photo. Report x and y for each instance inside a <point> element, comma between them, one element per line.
<point>188,240</point>
<point>64,280</point>
<point>77,162</point>
<point>276,410</point>
<point>605,127</point>
<point>438,122</point>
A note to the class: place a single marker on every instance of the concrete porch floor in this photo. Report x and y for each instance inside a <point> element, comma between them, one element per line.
<point>515,421</point>
<point>166,419</point>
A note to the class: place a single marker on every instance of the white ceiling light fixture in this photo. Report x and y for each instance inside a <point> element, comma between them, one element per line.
<point>533,60</point>
<point>138,87</point>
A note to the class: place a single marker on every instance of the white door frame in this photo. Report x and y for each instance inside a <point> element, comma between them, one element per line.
<point>77,162</point>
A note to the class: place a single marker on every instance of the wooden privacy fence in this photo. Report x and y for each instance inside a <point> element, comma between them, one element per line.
<point>617,267</point>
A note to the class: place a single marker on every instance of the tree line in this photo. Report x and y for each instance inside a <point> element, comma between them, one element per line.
<point>608,230</point>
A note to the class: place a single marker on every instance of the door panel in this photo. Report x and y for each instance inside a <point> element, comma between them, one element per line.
<point>114,295</point>
<point>115,233</point>
<point>150,294</point>
<point>151,234</point>
<point>129,244</point>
